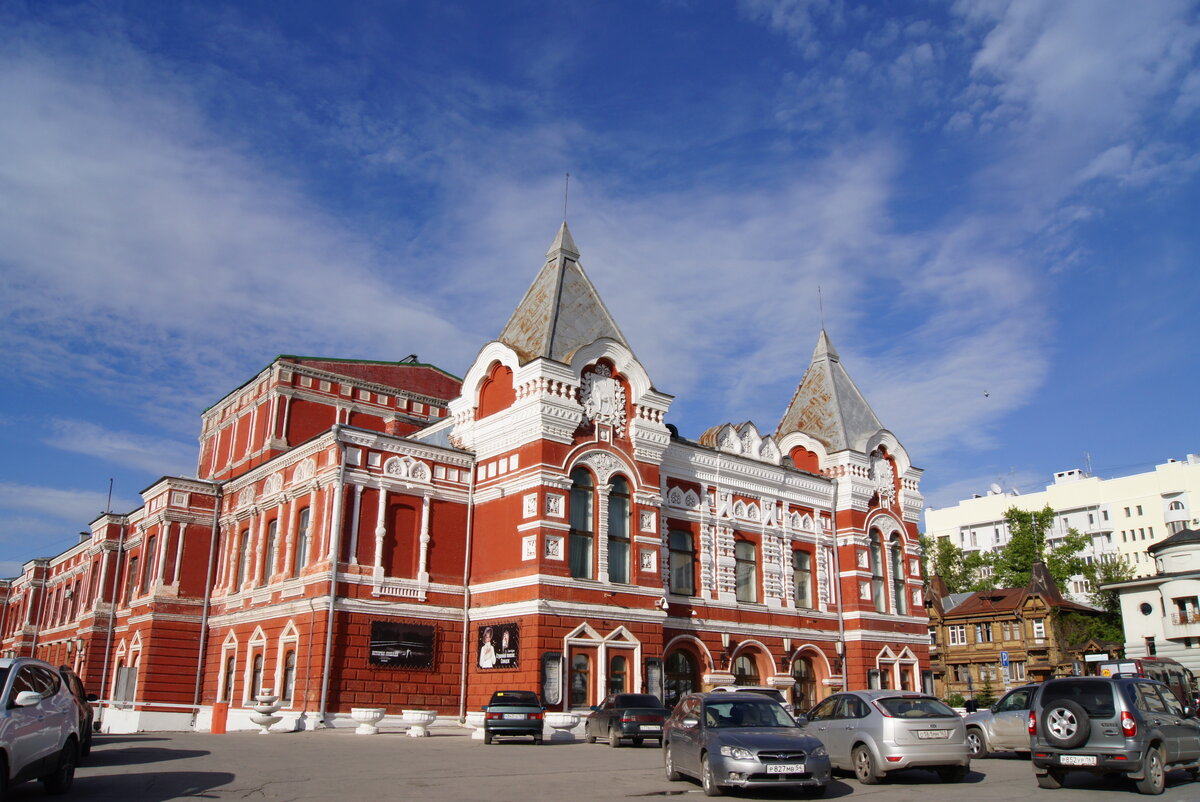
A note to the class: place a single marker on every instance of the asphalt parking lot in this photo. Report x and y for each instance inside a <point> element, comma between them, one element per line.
<point>448,765</point>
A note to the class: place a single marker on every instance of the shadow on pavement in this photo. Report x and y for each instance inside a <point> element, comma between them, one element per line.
<point>100,739</point>
<point>133,755</point>
<point>151,786</point>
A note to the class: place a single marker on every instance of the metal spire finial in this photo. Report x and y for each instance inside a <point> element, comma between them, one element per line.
<point>566,193</point>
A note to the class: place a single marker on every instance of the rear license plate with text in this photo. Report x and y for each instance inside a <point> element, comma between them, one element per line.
<point>786,768</point>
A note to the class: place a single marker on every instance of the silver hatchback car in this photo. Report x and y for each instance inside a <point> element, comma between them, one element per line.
<point>874,732</point>
<point>1003,727</point>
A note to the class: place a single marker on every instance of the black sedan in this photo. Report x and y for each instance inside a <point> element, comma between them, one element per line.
<point>637,716</point>
<point>742,740</point>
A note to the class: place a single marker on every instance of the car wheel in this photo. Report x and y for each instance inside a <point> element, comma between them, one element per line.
<point>864,766</point>
<point>85,748</point>
<point>590,738</point>
<point>1053,778</point>
<point>952,774</point>
<point>59,781</point>
<point>708,779</point>
<point>1156,774</point>
<point>1065,724</point>
<point>976,747</point>
<point>487,737</point>
<point>614,737</point>
<point>669,764</point>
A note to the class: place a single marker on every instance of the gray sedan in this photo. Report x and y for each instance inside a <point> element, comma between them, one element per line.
<point>1003,727</point>
<point>742,740</point>
<point>875,732</point>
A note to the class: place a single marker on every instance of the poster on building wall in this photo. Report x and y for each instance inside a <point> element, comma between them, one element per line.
<point>498,646</point>
<point>402,645</point>
<point>551,679</point>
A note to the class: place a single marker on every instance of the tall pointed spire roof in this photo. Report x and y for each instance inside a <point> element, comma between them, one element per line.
<point>561,310</point>
<point>828,405</point>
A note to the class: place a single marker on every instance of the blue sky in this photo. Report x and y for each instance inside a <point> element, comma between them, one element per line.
<point>998,201</point>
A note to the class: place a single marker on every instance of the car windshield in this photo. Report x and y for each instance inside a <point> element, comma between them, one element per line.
<point>915,707</point>
<point>746,714</point>
<point>637,700</point>
<point>515,698</point>
<point>1094,695</point>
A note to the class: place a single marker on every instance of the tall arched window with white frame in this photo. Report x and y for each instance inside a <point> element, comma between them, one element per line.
<point>878,592</point>
<point>896,567</point>
<point>583,505</point>
<point>618,531</point>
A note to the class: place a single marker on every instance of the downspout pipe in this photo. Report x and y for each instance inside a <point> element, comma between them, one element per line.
<point>837,585</point>
<point>8,589</point>
<point>462,685</point>
<point>208,580</point>
<point>112,614</point>
<point>335,554</point>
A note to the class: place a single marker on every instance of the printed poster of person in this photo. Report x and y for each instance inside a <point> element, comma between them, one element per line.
<point>498,646</point>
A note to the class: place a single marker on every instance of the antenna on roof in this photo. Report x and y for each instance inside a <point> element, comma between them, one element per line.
<point>566,192</point>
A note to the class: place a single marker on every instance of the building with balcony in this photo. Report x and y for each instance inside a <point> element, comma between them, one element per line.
<point>372,534</point>
<point>1161,613</point>
<point>997,639</point>
<point>1122,516</point>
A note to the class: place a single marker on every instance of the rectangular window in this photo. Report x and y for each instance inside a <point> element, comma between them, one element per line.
<point>958,634</point>
<point>130,579</point>
<point>1018,669</point>
<point>1039,628</point>
<point>300,557</point>
<point>1127,512</point>
<point>683,561</point>
<point>746,570</point>
<point>148,563</point>
<point>1139,509</point>
<point>802,578</point>
<point>579,547</point>
<point>1104,515</point>
<point>933,636</point>
<point>983,633</point>
<point>269,553</point>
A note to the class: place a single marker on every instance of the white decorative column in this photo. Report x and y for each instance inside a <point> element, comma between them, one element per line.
<point>422,573</point>
<point>99,594</point>
<point>335,520</point>
<point>380,531</point>
<point>288,540</point>
<point>354,520</point>
<point>258,522</point>
<point>178,553</point>
<point>602,493</point>
<point>313,527</point>
<point>160,569</point>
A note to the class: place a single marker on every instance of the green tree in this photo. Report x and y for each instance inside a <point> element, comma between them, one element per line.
<point>1013,563</point>
<point>943,558</point>
<point>1107,570</point>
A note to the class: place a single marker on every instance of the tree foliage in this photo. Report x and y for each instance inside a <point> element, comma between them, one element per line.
<point>1110,569</point>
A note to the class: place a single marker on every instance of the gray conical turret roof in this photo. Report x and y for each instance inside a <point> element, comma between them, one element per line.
<point>561,311</point>
<point>828,405</point>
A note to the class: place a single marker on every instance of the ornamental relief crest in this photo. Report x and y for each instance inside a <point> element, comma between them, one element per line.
<point>603,399</point>
<point>603,463</point>
<point>883,476</point>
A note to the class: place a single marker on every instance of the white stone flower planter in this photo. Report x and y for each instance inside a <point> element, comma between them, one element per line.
<point>562,724</point>
<point>418,722</point>
<point>475,720</point>
<point>368,719</point>
<point>265,712</point>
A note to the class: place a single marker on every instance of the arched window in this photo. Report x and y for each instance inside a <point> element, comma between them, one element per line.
<point>616,673</point>
<point>230,668</point>
<point>877,588</point>
<point>243,554</point>
<point>896,565</point>
<point>683,563</point>
<point>300,558</point>
<point>1175,505</point>
<point>681,677</point>
<point>581,679</point>
<point>289,676</point>
<point>745,671</point>
<point>804,692</point>
<point>745,555</point>
<point>583,498</point>
<point>270,552</point>
<point>802,578</point>
<point>148,563</point>
<point>256,677</point>
<point>618,531</point>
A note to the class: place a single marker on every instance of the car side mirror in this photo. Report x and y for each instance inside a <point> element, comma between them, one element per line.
<point>801,721</point>
<point>995,708</point>
<point>27,699</point>
<point>689,722</point>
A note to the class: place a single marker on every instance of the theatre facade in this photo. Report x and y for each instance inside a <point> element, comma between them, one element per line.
<point>368,534</point>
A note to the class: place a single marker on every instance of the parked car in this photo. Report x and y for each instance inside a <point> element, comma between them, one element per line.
<point>84,701</point>
<point>39,726</point>
<point>637,716</point>
<point>1103,725</point>
<point>513,713</point>
<point>1003,727</point>
<point>1169,672</point>
<point>765,690</point>
<point>875,732</point>
<point>742,740</point>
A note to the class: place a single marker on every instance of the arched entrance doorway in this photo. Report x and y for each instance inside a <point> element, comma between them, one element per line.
<point>804,692</point>
<point>681,676</point>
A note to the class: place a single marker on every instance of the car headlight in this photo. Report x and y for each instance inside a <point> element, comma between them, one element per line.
<point>737,753</point>
<point>820,751</point>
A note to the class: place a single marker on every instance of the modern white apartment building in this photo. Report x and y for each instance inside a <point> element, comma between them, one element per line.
<point>1123,515</point>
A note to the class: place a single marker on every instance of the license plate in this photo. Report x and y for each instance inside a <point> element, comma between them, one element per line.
<point>1077,760</point>
<point>786,768</point>
<point>514,715</point>
<point>650,728</point>
<point>927,735</point>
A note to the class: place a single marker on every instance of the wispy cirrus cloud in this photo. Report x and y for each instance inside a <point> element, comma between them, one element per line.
<point>156,455</point>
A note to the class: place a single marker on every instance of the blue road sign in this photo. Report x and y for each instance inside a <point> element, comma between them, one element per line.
<point>1004,659</point>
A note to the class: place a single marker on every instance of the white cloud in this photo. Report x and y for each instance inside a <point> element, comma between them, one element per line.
<point>78,507</point>
<point>154,455</point>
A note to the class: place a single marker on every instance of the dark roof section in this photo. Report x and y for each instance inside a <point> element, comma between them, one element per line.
<point>1002,600</point>
<point>561,310</point>
<point>1180,538</point>
<point>828,405</point>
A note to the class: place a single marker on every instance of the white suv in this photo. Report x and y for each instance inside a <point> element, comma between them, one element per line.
<point>39,726</point>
